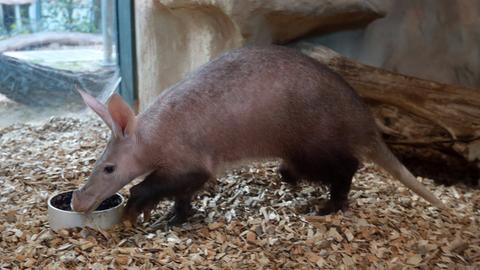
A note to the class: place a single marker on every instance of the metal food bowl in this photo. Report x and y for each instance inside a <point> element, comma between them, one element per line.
<point>103,219</point>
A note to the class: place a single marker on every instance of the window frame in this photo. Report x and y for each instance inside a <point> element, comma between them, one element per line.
<point>126,50</point>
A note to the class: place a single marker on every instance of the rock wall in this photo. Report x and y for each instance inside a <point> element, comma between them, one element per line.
<point>171,43</point>
<point>176,36</point>
<point>431,39</point>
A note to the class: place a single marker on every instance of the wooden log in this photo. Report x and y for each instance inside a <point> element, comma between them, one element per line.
<point>413,111</point>
<point>22,42</point>
<point>37,85</point>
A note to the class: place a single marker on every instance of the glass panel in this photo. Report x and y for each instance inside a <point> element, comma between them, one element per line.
<point>49,48</point>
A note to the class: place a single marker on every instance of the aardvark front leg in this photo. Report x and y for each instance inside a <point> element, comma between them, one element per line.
<point>145,196</point>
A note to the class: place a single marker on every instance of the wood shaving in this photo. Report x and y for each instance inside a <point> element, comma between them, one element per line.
<point>250,219</point>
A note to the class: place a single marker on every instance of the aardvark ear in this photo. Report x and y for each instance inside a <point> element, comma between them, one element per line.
<point>100,109</point>
<point>123,117</point>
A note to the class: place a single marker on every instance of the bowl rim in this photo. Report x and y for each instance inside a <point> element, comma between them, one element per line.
<point>80,213</point>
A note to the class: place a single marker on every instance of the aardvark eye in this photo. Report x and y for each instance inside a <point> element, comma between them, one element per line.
<point>109,169</point>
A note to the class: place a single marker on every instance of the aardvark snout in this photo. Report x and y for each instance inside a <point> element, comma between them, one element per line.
<point>82,202</point>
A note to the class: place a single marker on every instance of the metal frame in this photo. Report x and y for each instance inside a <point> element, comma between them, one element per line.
<point>126,53</point>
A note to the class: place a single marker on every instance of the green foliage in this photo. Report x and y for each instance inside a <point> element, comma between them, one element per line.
<point>15,30</point>
<point>65,15</point>
<point>60,15</point>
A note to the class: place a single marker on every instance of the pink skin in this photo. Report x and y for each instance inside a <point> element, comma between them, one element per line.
<point>112,170</point>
